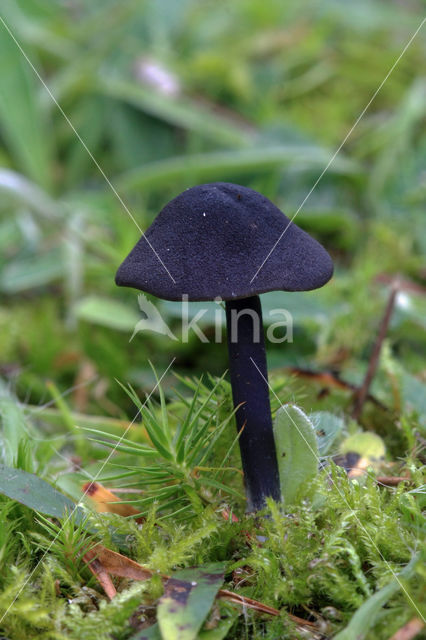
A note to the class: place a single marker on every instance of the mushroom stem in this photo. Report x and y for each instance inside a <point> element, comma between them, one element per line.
<point>247,357</point>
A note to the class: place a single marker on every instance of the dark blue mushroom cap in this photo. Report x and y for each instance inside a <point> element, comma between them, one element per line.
<point>210,241</point>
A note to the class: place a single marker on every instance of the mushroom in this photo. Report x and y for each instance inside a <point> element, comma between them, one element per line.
<point>214,239</point>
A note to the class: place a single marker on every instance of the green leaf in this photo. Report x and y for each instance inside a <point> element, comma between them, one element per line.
<point>108,313</point>
<point>366,444</point>
<point>414,396</point>
<point>151,633</point>
<point>24,274</point>
<point>369,611</point>
<point>35,493</point>
<point>223,164</point>
<point>22,121</point>
<point>187,600</point>
<point>178,111</point>
<point>220,631</point>
<point>24,192</point>
<point>328,427</point>
<point>303,306</point>
<point>89,121</point>
<point>53,417</point>
<point>14,428</point>
<point>297,451</point>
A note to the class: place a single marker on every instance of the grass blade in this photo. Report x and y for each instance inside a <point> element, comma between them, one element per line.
<point>22,121</point>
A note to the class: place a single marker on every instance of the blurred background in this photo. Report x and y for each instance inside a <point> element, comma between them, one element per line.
<point>169,94</point>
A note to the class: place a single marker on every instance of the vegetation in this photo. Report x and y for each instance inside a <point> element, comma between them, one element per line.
<point>140,101</point>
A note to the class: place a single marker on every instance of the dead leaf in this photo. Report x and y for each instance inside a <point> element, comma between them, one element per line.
<point>228,515</point>
<point>117,564</point>
<point>106,502</point>
<point>103,561</point>
<point>392,481</point>
<point>360,468</point>
<point>101,575</point>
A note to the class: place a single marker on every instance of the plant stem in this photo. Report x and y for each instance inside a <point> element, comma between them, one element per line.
<point>362,392</point>
<point>67,417</point>
<point>251,396</point>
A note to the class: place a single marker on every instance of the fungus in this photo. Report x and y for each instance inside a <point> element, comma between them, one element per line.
<point>214,239</point>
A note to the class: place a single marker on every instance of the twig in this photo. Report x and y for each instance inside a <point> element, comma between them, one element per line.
<point>332,379</point>
<point>259,606</point>
<point>362,392</point>
<point>404,284</point>
<point>125,490</point>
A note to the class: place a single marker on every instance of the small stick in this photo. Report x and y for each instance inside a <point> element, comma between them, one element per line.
<point>362,392</point>
<point>124,490</point>
<point>332,379</point>
<point>231,596</point>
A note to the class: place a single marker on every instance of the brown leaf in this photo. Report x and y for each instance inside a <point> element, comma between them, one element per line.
<point>227,515</point>
<point>359,468</point>
<point>106,502</point>
<point>392,481</point>
<point>102,576</point>
<point>103,561</point>
<point>117,564</point>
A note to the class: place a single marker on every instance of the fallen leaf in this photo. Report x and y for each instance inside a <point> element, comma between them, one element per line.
<point>102,576</point>
<point>118,565</point>
<point>106,502</point>
<point>228,515</point>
